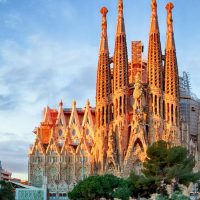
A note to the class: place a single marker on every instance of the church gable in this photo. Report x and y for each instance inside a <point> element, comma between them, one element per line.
<point>52,147</point>
<point>47,119</point>
<point>74,118</point>
<point>60,121</point>
<point>88,119</point>
<point>37,147</point>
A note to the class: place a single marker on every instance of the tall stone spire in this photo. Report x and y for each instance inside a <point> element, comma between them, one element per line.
<point>103,94</point>
<point>103,87</point>
<point>171,66</point>
<point>155,77</point>
<point>154,18</point>
<point>120,21</point>
<point>120,90</point>
<point>120,68</point>
<point>171,86</point>
<point>154,51</point>
<point>104,38</point>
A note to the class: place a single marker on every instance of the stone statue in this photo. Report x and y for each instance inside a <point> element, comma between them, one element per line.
<point>137,94</point>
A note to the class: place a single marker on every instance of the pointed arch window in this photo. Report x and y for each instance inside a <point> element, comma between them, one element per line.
<point>88,121</point>
<point>60,132</point>
<point>87,132</point>
<point>73,132</point>
<point>73,120</point>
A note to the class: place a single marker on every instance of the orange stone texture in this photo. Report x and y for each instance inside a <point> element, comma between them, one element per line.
<point>137,103</point>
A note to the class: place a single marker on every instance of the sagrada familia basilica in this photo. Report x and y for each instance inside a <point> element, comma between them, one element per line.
<point>137,104</point>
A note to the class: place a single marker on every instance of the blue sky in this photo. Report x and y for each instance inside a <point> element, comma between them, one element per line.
<point>49,51</point>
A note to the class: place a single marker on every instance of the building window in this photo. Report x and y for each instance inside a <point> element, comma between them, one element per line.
<point>87,132</point>
<point>60,132</point>
<point>73,132</point>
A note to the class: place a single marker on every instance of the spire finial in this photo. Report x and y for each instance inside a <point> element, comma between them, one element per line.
<point>120,20</point>
<point>104,40</point>
<point>104,12</point>
<point>169,8</point>
<point>120,7</point>
<point>74,104</point>
<point>154,28</point>
<point>61,103</point>
<point>154,8</point>
<point>88,102</point>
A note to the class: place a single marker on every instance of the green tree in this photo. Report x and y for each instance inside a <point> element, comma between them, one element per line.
<point>95,187</point>
<point>179,196</point>
<point>89,188</point>
<point>169,165</point>
<point>180,166</point>
<point>123,191</point>
<point>6,191</point>
<point>140,186</point>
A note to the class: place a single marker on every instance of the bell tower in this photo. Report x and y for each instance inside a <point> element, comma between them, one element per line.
<point>120,90</point>
<point>155,78</point>
<point>171,84</point>
<point>103,95</point>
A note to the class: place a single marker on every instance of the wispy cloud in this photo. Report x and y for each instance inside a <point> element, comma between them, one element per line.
<point>32,77</point>
<point>14,152</point>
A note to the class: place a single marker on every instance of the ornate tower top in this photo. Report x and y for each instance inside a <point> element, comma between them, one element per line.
<point>103,73</point>
<point>120,20</point>
<point>154,8</point>
<point>61,103</point>
<point>104,40</point>
<point>171,67</point>
<point>154,18</point>
<point>154,51</point>
<point>169,8</point>
<point>170,38</point>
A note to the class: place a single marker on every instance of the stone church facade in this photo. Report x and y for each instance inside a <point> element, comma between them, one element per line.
<point>137,103</point>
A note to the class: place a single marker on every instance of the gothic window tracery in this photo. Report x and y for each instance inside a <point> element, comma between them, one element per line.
<point>73,132</point>
<point>60,132</point>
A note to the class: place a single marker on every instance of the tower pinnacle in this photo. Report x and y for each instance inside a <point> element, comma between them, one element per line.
<point>169,8</point>
<point>104,40</point>
<point>120,20</point>
<point>171,81</point>
<point>170,38</point>
<point>155,75</point>
<point>103,87</point>
<point>154,18</point>
<point>154,51</point>
<point>171,69</point>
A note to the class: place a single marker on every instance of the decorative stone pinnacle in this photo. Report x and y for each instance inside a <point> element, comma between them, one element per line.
<point>169,8</point>
<point>74,103</point>
<point>88,102</point>
<point>61,103</point>
<point>120,7</point>
<point>104,11</point>
<point>154,7</point>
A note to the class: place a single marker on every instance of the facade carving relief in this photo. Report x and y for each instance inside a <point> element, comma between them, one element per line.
<point>129,115</point>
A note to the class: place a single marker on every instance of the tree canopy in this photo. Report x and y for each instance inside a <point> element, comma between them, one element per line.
<point>95,187</point>
<point>167,164</point>
<point>6,191</point>
<point>164,165</point>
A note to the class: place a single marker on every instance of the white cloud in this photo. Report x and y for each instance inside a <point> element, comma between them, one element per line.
<point>38,74</point>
